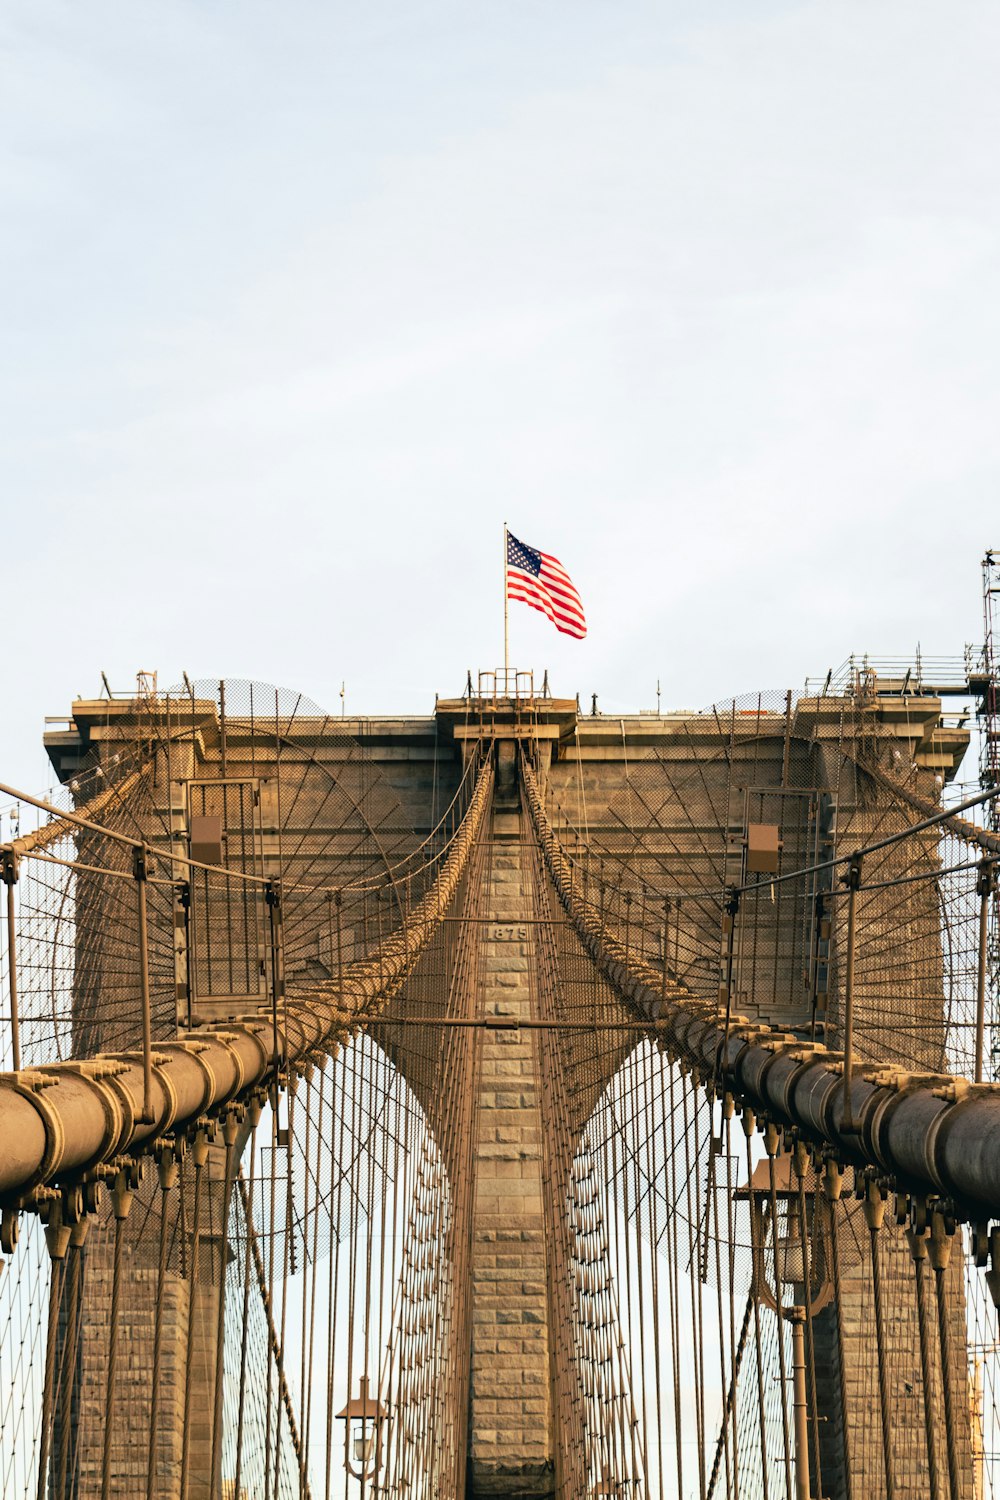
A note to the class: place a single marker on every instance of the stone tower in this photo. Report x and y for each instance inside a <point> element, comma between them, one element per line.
<point>679,788</point>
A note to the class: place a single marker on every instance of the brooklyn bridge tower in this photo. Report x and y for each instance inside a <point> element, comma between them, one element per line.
<point>510,1101</point>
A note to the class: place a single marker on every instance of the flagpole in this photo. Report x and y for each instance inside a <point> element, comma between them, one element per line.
<point>506,622</point>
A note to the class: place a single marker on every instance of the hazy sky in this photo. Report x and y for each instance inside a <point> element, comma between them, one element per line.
<point>302,300</point>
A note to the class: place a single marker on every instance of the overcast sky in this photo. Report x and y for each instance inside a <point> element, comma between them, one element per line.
<point>301,300</point>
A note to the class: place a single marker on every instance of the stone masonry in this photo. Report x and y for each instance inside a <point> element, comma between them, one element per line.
<point>130,1442</point>
<point>511,1444</point>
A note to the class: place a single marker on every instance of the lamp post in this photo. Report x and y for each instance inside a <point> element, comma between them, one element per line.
<point>363,1419</point>
<point>801,1286</point>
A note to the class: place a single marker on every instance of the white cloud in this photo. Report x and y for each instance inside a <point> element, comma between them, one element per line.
<point>703,302</point>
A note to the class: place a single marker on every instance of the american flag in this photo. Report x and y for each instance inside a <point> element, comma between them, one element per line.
<point>539,579</point>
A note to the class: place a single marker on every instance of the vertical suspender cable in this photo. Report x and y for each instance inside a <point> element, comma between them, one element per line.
<point>121,1195</point>
<point>984,890</point>
<point>167,1172</point>
<point>140,872</point>
<point>246,1199</point>
<point>199,1153</point>
<point>8,873</point>
<point>230,1128</point>
<point>57,1238</point>
<point>874,1214</point>
<point>853,883</point>
<point>918,1250</point>
<point>64,1483</point>
<point>832,1184</point>
<point>940,1254</point>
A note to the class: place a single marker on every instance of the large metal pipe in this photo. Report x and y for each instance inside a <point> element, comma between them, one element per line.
<point>63,1120</point>
<point>932,1133</point>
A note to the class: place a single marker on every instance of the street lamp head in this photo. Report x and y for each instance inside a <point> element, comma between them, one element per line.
<point>787,1214</point>
<point>363,1419</point>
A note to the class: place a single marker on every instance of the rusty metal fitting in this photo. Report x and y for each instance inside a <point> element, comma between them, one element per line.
<point>57,1234</point>
<point>73,1207</point>
<point>166,1167</point>
<point>122,1195</point>
<point>772,1139</point>
<point>833,1179</point>
<point>199,1147</point>
<point>941,1239</point>
<point>208,1125</point>
<point>874,1202</point>
<point>93,1194</point>
<point>917,1243</point>
<point>10,1228</point>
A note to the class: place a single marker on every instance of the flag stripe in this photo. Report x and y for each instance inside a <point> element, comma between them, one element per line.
<point>569,595</point>
<point>572,627</point>
<point>577,631</point>
<point>554,564</point>
<point>544,603</point>
<point>525,589</point>
<point>538,579</point>
<point>568,606</point>
<point>558,604</point>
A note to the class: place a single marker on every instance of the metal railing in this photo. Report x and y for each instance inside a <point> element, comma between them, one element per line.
<point>503,685</point>
<point>897,676</point>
